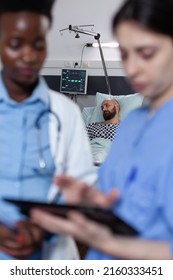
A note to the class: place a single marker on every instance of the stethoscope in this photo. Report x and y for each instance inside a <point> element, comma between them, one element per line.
<point>42,161</point>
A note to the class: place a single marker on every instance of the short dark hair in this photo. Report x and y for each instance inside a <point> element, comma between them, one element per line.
<point>154,15</point>
<point>38,6</point>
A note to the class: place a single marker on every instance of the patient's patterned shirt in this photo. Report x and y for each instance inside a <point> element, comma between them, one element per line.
<point>102,130</point>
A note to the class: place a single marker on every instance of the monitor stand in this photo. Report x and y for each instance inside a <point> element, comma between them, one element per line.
<point>73,97</point>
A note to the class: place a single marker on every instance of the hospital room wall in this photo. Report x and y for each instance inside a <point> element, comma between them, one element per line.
<point>119,86</point>
<point>64,50</point>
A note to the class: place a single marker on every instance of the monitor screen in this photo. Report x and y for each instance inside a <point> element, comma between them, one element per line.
<point>74,81</point>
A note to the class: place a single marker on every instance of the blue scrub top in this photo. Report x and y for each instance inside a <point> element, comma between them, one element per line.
<point>140,166</point>
<point>20,174</point>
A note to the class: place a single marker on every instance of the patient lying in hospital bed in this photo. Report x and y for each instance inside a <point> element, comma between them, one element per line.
<point>102,133</point>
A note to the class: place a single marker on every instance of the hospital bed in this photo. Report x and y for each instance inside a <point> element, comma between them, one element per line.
<point>94,114</point>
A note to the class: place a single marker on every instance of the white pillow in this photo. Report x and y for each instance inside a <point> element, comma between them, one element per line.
<point>127,103</point>
<point>87,113</point>
<point>96,115</point>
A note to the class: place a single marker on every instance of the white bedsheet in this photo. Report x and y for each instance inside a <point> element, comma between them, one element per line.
<point>99,147</point>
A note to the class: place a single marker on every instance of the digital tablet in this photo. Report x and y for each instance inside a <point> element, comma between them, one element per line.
<point>101,215</point>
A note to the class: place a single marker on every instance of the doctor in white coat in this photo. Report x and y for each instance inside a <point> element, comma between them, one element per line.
<point>42,132</point>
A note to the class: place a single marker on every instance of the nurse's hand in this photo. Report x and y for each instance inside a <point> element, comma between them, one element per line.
<point>77,192</point>
<point>26,239</point>
<point>78,226</point>
<point>100,237</point>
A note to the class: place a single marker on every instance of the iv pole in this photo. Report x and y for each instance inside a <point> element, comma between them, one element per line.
<point>96,37</point>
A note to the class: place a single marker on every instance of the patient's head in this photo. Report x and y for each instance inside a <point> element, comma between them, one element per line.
<point>110,108</point>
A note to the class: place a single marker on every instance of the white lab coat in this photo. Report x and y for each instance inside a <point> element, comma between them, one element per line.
<point>71,150</point>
